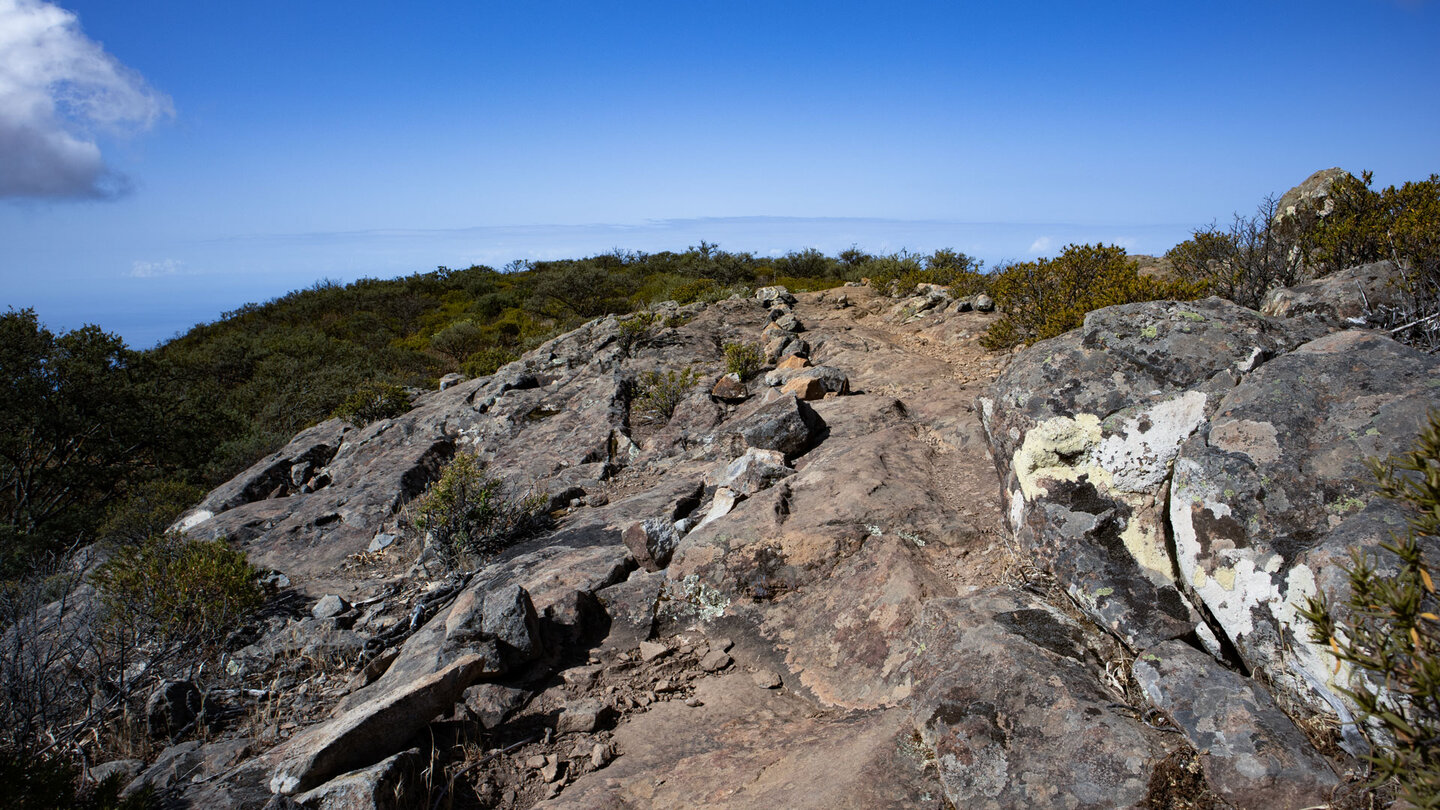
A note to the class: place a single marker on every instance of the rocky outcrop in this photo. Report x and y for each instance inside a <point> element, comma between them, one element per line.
<point>827,597</point>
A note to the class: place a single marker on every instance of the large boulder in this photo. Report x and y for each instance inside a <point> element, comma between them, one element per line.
<point>1345,298</point>
<point>1084,428</point>
<point>1269,500</point>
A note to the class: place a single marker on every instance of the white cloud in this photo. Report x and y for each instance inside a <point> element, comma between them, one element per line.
<point>168,267</point>
<point>1040,245</point>
<point>57,89</point>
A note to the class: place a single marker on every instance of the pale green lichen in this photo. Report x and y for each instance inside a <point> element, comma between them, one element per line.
<point>1340,506</point>
<point>1149,332</point>
<point>1191,316</point>
<point>708,603</point>
<point>912,537</point>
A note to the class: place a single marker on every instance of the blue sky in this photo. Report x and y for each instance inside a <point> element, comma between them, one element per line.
<point>202,155</point>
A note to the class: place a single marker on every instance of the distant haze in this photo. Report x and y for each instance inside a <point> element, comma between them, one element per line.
<point>161,162</point>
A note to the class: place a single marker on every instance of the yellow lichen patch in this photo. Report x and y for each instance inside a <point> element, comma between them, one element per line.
<point>1143,540</point>
<point>1199,579</point>
<point>1047,447</point>
<point>1225,577</point>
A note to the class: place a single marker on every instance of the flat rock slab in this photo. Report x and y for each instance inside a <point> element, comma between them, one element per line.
<point>1252,753</point>
<point>1006,696</point>
<point>370,731</point>
<point>746,747</point>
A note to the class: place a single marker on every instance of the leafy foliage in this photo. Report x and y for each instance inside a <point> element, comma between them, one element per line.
<point>148,510</point>
<point>469,516</point>
<point>459,340</point>
<point>74,423</point>
<point>1390,631</point>
<point>634,330</point>
<point>487,361</point>
<point>1244,262</point>
<point>54,783</point>
<point>208,589</point>
<point>372,402</point>
<point>743,359</point>
<point>1049,297</point>
<point>659,394</point>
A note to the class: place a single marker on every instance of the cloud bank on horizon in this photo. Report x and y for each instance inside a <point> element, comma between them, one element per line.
<point>58,90</point>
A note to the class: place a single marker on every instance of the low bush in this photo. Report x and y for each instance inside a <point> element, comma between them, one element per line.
<point>1045,298</point>
<point>176,598</point>
<point>459,340</point>
<point>658,395</point>
<point>743,359</point>
<point>468,515</point>
<point>147,511</point>
<point>1389,629</point>
<point>374,401</point>
<point>55,783</point>
<point>487,361</point>
<point>1243,262</point>
<point>634,331</point>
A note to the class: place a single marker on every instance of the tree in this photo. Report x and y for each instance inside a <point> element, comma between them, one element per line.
<point>72,426</point>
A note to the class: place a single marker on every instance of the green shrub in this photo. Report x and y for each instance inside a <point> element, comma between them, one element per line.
<point>148,510</point>
<point>743,359</point>
<point>176,596</point>
<point>658,394</point>
<point>1390,631</point>
<point>1049,297</point>
<point>469,516</point>
<point>1242,263</point>
<point>634,330</point>
<point>458,340</point>
<point>487,361</point>
<point>54,783</point>
<point>696,290</point>
<point>374,401</point>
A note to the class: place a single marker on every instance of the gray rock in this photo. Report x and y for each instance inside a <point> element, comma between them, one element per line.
<point>1085,428</point>
<point>493,703</point>
<point>1311,199</point>
<point>714,661</point>
<point>832,379</point>
<point>1272,497</point>
<point>369,731</point>
<point>329,606</point>
<point>984,303</point>
<point>1344,298</point>
<point>769,296</point>
<point>1253,755</point>
<point>1006,702</point>
<point>189,761</point>
<point>631,607</point>
<point>785,424</point>
<point>789,323</point>
<point>652,542</point>
<point>767,679</point>
<point>122,770</point>
<point>172,708</point>
<point>451,380</point>
<point>382,541</point>
<point>390,784</point>
<point>756,470</point>
<point>580,716</point>
<point>509,617</point>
